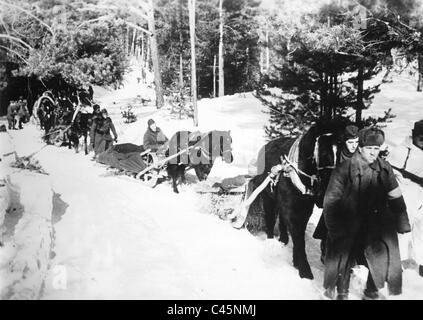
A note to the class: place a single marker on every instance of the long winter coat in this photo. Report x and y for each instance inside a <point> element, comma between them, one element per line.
<point>409,160</point>
<point>100,137</point>
<point>154,139</point>
<point>360,215</point>
<point>321,231</point>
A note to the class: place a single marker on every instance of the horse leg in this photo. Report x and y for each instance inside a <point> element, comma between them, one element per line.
<point>76,143</point>
<point>69,140</point>
<point>269,215</point>
<point>181,173</point>
<point>66,140</point>
<point>297,226</point>
<point>174,183</point>
<point>172,171</point>
<point>283,230</point>
<point>85,143</point>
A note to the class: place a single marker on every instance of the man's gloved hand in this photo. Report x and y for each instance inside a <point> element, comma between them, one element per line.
<point>399,208</point>
<point>384,154</point>
<point>403,224</point>
<point>276,169</point>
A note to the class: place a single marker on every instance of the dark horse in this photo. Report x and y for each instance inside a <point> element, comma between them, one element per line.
<point>316,157</point>
<point>206,147</point>
<point>79,128</point>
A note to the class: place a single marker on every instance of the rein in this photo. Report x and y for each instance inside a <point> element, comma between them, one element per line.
<point>298,170</point>
<point>58,130</point>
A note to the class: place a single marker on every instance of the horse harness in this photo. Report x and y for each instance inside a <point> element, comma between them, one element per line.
<point>291,161</point>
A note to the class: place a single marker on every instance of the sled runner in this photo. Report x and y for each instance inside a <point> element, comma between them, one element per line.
<point>228,186</point>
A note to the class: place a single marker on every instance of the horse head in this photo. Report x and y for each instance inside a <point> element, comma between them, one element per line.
<point>325,153</point>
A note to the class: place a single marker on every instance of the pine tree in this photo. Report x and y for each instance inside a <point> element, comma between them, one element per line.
<point>324,63</point>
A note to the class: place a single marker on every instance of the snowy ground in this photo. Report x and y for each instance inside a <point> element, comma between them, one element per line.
<point>98,236</point>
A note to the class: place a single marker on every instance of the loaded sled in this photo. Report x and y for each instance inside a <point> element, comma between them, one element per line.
<point>134,160</point>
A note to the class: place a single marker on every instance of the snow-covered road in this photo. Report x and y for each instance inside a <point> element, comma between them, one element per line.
<point>118,239</point>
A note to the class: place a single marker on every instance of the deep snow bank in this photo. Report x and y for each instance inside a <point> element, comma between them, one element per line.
<point>25,220</point>
<point>27,251</point>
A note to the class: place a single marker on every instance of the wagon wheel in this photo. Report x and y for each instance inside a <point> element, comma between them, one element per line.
<point>150,178</point>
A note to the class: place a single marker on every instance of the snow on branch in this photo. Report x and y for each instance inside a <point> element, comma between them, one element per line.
<point>133,25</point>
<point>15,53</point>
<point>4,3</point>
<point>6,36</point>
<point>93,20</point>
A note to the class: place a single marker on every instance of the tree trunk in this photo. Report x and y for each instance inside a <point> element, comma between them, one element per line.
<point>322,94</point>
<point>181,49</point>
<point>247,71</point>
<point>360,83</point>
<point>420,70</point>
<point>142,48</point>
<point>29,97</point>
<point>335,95</point>
<point>181,73</point>
<point>148,55</point>
<point>325,95</point>
<point>330,98</point>
<point>214,76</point>
<point>261,61</point>
<point>191,4</point>
<point>221,73</point>
<point>155,56</point>
<point>134,36</point>
<point>127,41</point>
<point>267,51</point>
<point>142,58</point>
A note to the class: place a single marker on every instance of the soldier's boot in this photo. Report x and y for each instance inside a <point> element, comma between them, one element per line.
<point>342,296</point>
<point>371,292</point>
<point>372,295</point>
<point>329,294</point>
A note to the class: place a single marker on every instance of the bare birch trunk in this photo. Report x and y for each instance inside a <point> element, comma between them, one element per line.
<point>134,36</point>
<point>181,44</point>
<point>155,56</point>
<point>214,76</point>
<point>191,6</point>
<point>221,60</point>
<point>267,51</point>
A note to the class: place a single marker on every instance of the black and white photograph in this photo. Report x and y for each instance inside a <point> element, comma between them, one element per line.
<point>211,150</point>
